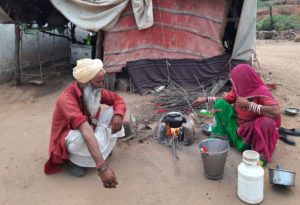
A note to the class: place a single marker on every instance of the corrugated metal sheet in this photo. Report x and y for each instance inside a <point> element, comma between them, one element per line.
<point>183,29</point>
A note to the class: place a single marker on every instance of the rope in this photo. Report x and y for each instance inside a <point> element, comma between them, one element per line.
<point>164,42</point>
<point>255,59</point>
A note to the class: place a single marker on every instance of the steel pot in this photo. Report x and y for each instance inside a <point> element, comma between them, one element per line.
<point>282,177</point>
<point>174,119</point>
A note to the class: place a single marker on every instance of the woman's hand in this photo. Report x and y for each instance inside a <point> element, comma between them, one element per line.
<point>108,178</point>
<point>200,100</point>
<point>242,103</point>
<point>116,123</point>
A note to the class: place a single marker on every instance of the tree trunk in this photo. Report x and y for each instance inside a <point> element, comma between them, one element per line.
<point>271,18</point>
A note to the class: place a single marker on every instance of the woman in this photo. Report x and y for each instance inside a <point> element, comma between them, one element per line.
<point>253,119</point>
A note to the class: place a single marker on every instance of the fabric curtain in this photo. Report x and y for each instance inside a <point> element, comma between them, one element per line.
<point>95,15</point>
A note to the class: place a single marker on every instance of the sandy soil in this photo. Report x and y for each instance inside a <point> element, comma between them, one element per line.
<point>147,172</point>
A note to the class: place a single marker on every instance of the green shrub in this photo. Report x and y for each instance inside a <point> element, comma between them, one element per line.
<point>262,4</point>
<point>280,23</point>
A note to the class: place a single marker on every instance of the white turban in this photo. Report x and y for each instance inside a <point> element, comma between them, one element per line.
<point>86,69</point>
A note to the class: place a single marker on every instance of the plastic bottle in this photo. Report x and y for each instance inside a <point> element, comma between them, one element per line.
<point>250,188</point>
<point>89,39</point>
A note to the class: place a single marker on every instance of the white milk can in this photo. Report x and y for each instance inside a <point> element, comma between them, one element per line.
<point>250,187</point>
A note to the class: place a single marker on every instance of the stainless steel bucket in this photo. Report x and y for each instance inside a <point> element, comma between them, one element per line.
<point>215,157</point>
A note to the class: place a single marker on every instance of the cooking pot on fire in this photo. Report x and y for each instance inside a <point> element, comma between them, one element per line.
<point>174,119</point>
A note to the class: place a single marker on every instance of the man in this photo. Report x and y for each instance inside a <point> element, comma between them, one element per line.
<point>81,136</point>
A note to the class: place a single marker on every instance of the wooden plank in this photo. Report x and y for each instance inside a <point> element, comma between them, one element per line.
<point>17,54</point>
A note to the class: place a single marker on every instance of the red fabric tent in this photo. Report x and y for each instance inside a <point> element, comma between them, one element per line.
<point>182,29</point>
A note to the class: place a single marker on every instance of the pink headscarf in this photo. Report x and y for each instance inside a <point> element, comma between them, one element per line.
<point>247,84</point>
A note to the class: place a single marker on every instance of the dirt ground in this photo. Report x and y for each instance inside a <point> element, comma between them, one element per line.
<point>147,171</point>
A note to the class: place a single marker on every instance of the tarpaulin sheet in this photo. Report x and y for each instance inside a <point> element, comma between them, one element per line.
<point>244,45</point>
<point>148,74</point>
<point>182,30</point>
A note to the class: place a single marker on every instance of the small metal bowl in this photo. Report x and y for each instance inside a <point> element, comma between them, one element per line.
<point>291,111</point>
<point>206,129</point>
<point>282,177</point>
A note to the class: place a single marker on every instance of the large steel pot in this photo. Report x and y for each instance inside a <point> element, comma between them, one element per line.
<point>282,177</point>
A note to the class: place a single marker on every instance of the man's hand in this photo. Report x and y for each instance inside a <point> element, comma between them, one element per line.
<point>200,100</point>
<point>116,123</point>
<point>109,178</point>
<point>242,103</point>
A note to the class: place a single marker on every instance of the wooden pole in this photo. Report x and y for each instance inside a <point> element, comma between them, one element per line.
<point>17,54</point>
<point>110,78</point>
<point>99,45</point>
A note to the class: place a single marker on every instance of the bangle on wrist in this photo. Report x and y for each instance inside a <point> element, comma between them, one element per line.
<point>211,100</point>
<point>255,107</point>
<point>102,168</point>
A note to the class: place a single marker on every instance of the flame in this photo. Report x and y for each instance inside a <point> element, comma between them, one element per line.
<point>173,132</point>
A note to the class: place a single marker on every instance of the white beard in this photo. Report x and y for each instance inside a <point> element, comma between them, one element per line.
<point>92,97</point>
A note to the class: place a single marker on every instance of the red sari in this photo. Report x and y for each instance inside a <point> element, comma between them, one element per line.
<point>259,131</point>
